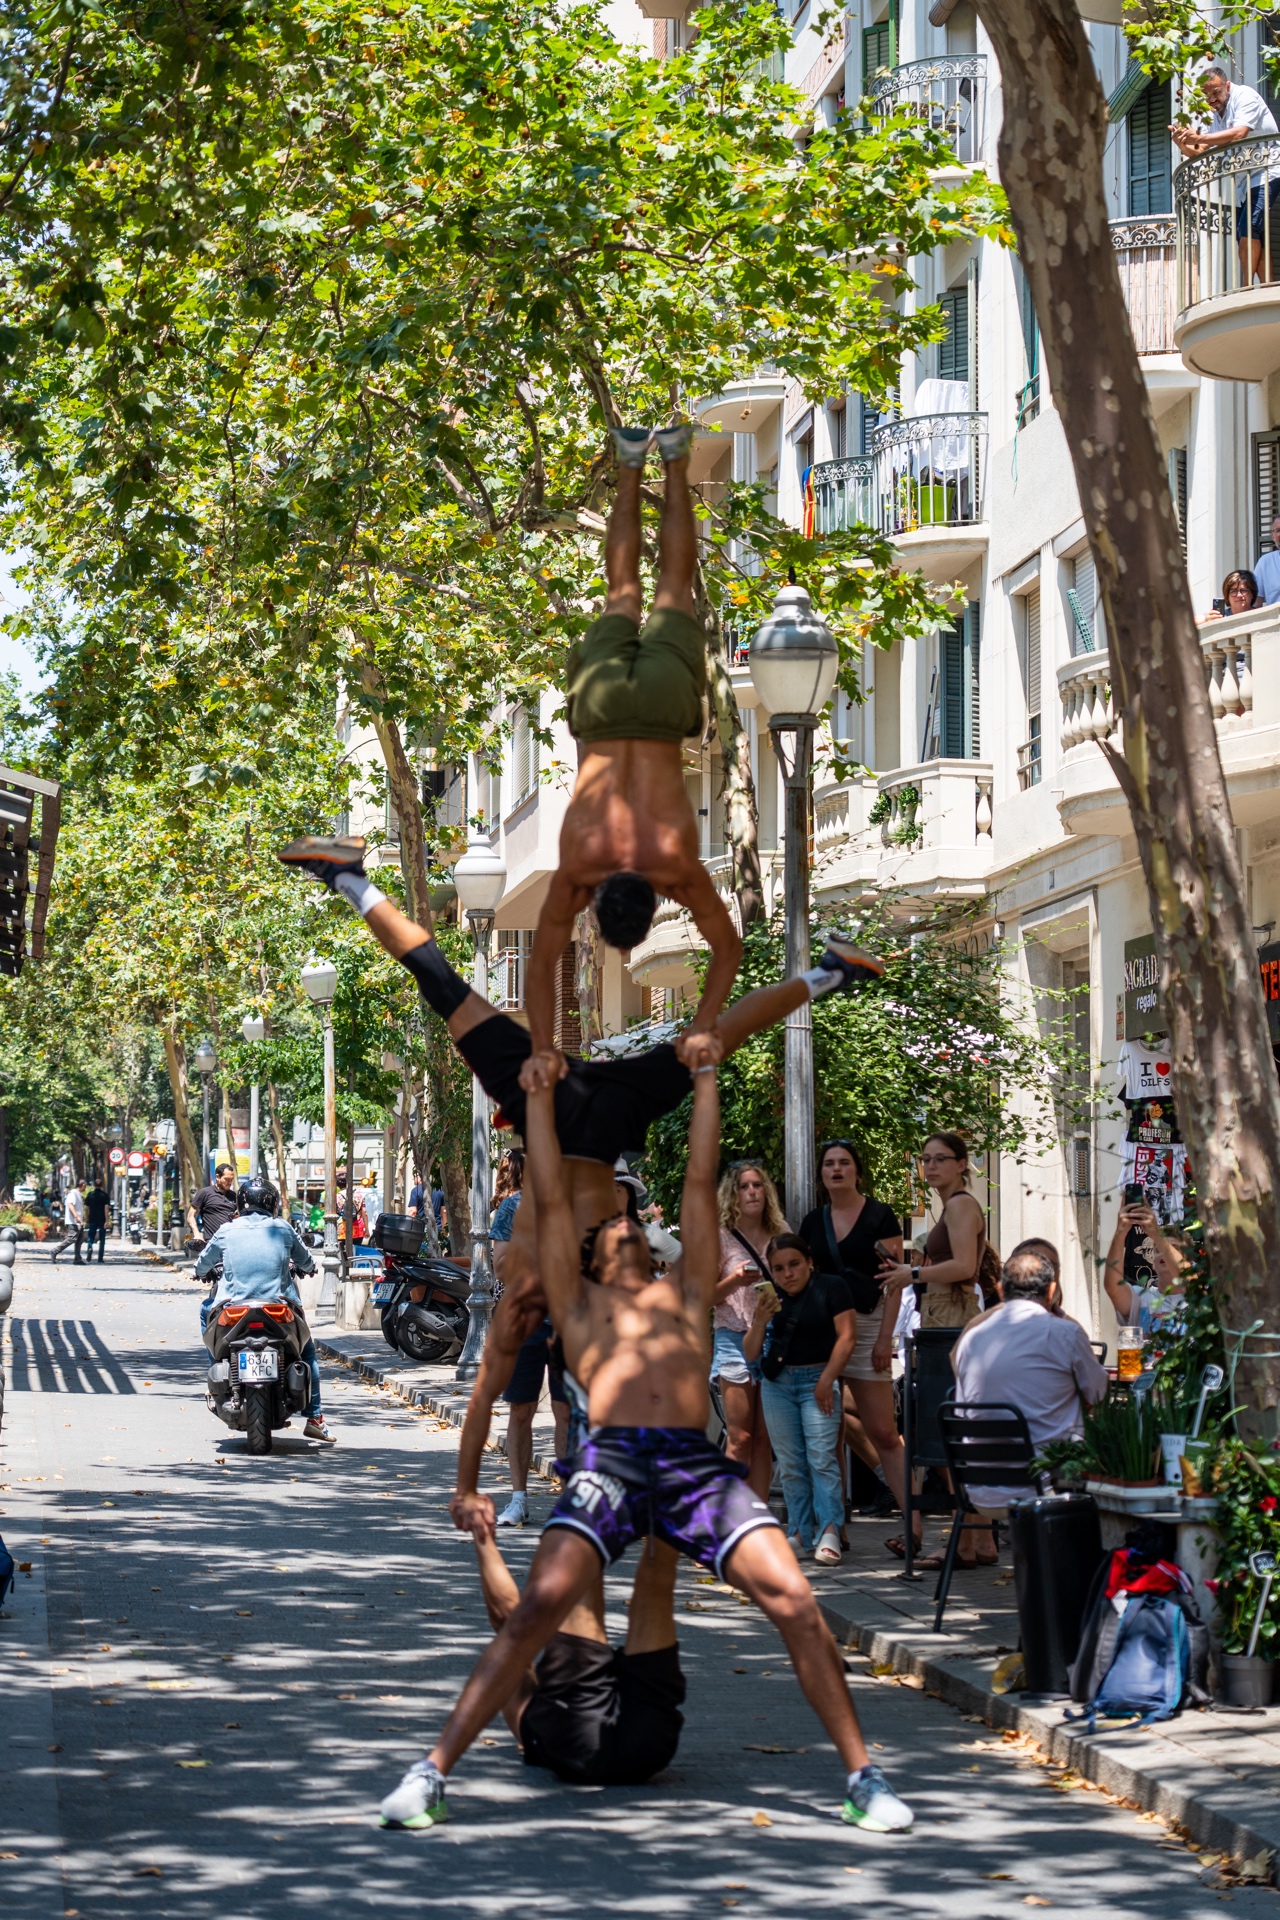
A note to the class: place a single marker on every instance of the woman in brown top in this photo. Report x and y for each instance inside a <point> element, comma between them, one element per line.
<point>957,1240</point>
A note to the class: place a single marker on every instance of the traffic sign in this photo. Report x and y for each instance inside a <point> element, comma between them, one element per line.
<point>116,1156</point>
<point>138,1161</point>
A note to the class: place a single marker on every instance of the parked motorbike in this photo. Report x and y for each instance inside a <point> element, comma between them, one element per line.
<point>258,1378</point>
<point>137,1221</point>
<point>422,1302</point>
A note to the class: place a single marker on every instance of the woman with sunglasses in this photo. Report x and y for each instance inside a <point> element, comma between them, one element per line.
<point>843,1235</point>
<point>750,1216</point>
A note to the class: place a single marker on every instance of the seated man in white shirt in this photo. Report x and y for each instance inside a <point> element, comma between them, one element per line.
<point>1267,568</point>
<point>1239,113</point>
<point>1023,1354</point>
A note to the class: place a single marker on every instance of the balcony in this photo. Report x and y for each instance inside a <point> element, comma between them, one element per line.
<point>1242,669</point>
<point>921,486</point>
<point>947,95</point>
<point>846,847</point>
<point>1146,254</point>
<point>667,954</point>
<point>935,829</point>
<point>745,405</point>
<point>1228,324</point>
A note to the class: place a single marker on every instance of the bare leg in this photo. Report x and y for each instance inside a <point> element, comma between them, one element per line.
<point>622,548</point>
<point>677,542</point>
<point>874,1401</point>
<point>760,1467</point>
<point>764,1566</point>
<point>520,1442</point>
<point>756,1011</point>
<point>652,1622</point>
<point>562,1572</point>
<point>560,1414</point>
<point>747,1440</point>
<point>855,1433</point>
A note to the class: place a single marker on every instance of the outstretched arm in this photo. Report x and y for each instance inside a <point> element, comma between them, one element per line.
<point>515,1317</point>
<point>699,1213</point>
<point>558,1263</point>
<point>711,917</point>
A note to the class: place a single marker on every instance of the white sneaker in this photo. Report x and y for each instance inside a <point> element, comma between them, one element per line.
<point>418,1801</point>
<point>827,1551</point>
<point>872,1803</point>
<point>632,444</point>
<point>516,1511</point>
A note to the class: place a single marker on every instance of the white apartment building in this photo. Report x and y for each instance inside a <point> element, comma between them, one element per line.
<point>985,781</point>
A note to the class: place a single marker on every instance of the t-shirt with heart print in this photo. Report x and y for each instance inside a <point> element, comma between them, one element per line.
<point>1146,1070</point>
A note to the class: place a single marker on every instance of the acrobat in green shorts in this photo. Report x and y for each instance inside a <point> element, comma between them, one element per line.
<point>638,683</point>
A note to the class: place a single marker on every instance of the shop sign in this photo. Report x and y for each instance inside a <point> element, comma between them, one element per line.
<point>1142,1010</point>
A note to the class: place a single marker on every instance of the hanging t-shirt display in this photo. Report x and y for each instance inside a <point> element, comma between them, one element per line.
<point>1161,1172</point>
<point>1153,1123</point>
<point>1146,1070</point>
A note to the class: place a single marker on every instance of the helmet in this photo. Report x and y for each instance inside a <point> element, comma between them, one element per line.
<point>259,1196</point>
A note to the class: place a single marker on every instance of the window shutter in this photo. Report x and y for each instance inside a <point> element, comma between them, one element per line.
<point>1266,486</point>
<point>953,692</point>
<point>1150,165</point>
<point>1083,596</point>
<point>953,349</point>
<point>1178,488</point>
<point>972,642</point>
<point>1032,605</point>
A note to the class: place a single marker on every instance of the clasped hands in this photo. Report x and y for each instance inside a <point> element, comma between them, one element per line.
<point>473,1513</point>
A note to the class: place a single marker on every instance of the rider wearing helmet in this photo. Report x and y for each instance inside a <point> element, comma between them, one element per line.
<point>258,1254</point>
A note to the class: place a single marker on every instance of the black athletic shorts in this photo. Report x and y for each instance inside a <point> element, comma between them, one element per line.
<point>601,1717</point>
<point>603,1107</point>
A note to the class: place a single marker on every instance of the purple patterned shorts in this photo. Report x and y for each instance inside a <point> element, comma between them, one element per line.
<point>629,1482</point>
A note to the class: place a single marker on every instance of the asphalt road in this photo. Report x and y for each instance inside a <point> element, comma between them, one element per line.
<point>218,1664</point>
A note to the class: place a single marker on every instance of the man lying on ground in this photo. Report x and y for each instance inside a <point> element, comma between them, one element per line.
<point>640,1347</point>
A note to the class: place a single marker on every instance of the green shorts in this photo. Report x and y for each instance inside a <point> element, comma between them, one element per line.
<point>638,683</point>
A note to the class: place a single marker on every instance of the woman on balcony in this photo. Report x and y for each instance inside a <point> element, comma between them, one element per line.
<point>1239,595</point>
<point>749,1217</point>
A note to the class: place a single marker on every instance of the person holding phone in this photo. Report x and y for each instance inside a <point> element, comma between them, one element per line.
<point>1141,1306</point>
<point>750,1215</point>
<point>802,1332</point>
<point>1239,595</point>
<point>853,1235</point>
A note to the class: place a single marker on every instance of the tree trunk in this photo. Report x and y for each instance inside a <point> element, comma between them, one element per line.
<point>406,798</point>
<point>175,1059</point>
<point>741,816</point>
<point>457,1198</point>
<point>226,1128</point>
<point>6,1190</point>
<point>1225,1086</point>
<point>586,933</point>
<point>277,1135</point>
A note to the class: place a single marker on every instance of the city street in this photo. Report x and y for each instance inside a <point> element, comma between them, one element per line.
<point>218,1664</point>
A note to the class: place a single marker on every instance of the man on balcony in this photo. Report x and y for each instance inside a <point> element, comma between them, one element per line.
<point>1238,114</point>
<point>1267,569</point>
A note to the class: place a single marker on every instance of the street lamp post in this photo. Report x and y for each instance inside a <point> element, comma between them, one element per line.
<point>794,660</point>
<point>205,1062</point>
<point>320,980</point>
<point>254,1028</point>
<point>480,878</point>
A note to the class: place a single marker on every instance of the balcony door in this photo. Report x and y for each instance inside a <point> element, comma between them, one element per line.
<point>958,695</point>
<point>1150,166</point>
<point>880,46</point>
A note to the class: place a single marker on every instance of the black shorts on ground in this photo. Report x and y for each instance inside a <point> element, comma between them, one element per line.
<point>603,1107</point>
<point>533,1362</point>
<point>602,1717</point>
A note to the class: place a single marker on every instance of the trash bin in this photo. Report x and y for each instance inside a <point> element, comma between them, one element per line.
<point>1057,1549</point>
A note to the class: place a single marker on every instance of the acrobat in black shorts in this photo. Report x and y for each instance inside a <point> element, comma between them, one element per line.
<point>602,1717</point>
<point>603,1107</point>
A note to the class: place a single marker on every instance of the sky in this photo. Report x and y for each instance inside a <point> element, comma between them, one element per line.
<point>13,657</point>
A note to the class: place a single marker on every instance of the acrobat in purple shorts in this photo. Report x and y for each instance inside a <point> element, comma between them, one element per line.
<point>629,1482</point>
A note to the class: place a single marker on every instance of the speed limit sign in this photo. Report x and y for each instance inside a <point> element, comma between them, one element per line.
<point>116,1156</point>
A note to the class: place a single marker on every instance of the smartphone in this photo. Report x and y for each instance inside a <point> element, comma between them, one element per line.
<point>1134,1195</point>
<point>1220,606</point>
<point>891,1259</point>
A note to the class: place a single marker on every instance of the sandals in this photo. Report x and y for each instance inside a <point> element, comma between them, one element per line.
<point>898,1547</point>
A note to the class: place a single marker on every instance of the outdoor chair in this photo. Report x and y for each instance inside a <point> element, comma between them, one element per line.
<point>927,1381</point>
<point>985,1444</point>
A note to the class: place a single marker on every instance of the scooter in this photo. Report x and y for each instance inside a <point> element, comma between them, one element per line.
<point>258,1377</point>
<point>423,1302</point>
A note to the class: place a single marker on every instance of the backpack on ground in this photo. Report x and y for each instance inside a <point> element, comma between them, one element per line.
<point>1148,1655</point>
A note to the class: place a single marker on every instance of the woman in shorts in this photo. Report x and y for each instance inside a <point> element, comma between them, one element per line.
<point>749,1218</point>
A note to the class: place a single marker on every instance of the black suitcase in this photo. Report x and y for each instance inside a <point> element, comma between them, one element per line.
<point>1057,1550</point>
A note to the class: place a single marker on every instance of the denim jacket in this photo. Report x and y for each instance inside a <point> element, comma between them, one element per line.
<point>256,1254</point>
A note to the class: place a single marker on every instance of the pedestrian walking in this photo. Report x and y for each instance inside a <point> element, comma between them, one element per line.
<point>97,1206</point>
<point>750,1216</point>
<point>73,1217</point>
<point>802,1332</point>
<point>843,1235</point>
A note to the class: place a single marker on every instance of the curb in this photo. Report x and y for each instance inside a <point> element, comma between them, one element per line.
<point>1150,1771</point>
<point>451,1407</point>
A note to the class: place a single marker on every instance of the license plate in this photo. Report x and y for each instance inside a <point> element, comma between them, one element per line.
<point>259,1366</point>
<point>381,1294</point>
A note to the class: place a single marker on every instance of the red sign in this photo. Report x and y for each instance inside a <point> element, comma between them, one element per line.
<point>138,1161</point>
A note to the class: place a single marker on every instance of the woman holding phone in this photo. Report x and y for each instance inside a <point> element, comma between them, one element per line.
<point>802,1332</point>
<point>749,1217</point>
<point>852,1235</point>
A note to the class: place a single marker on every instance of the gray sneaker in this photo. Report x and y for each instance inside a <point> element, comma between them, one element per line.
<point>515,1513</point>
<point>673,443</point>
<point>631,444</point>
<point>418,1801</point>
<point>871,1802</point>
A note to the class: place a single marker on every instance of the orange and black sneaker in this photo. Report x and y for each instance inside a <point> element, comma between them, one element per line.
<point>840,956</point>
<point>326,859</point>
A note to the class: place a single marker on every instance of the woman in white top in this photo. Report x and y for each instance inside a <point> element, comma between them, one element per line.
<point>749,1217</point>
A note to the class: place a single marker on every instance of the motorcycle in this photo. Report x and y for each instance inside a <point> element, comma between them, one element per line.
<point>422,1302</point>
<point>258,1378</point>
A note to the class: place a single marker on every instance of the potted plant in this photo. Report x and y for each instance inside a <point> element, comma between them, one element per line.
<point>1122,1439</point>
<point>1247,1484</point>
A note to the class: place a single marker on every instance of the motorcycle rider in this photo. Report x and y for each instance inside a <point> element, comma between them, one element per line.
<point>257,1253</point>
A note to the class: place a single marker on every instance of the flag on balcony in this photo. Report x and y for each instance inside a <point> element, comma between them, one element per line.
<point>807,505</point>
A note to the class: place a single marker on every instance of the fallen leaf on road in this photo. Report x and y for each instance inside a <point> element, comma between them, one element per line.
<point>755,1749</point>
<point>140,1873</point>
<point>168,1686</point>
<point>193,1763</point>
<point>1034,1900</point>
<point>739,1669</point>
<point>1258,1868</point>
<point>911,1680</point>
<point>24,1566</point>
<point>10,1856</point>
<point>997,1876</point>
<point>698,1606</point>
<point>761,1820</point>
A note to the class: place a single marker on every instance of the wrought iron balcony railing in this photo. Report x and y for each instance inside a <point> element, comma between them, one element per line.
<point>920,473</point>
<point>948,95</point>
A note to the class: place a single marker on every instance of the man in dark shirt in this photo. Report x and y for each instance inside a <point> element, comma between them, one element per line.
<point>214,1206</point>
<point>97,1206</point>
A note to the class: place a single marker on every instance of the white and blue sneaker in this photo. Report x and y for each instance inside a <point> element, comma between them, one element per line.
<point>632,444</point>
<point>515,1513</point>
<point>855,967</point>
<point>418,1801</point>
<point>673,443</point>
<point>871,1802</point>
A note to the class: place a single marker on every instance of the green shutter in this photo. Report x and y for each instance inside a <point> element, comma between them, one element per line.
<point>959,647</point>
<point>1150,171</point>
<point>953,349</point>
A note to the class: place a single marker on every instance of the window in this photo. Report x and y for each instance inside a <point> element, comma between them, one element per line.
<point>879,47</point>
<point>506,985</point>
<point>1030,753</point>
<point>953,349</point>
<point>1266,487</point>
<point>1178,488</point>
<point>958,701</point>
<point>839,432</point>
<point>1150,169</point>
<point>443,796</point>
<point>1082,598</point>
<point>1028,397</point>
<point>524,756</point>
